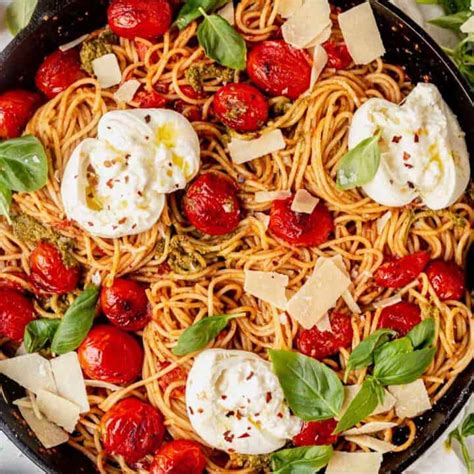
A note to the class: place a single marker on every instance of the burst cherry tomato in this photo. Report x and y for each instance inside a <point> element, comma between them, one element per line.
<point>125,304</point>
<point>398,272</point>
<point>316,433</point>
<point>132,429</point>
<point>241,107</point>
<point>16,311</point>
<point>16,108</point>
<point>298,228</point>
<point>211,204</point>
<point>192,93</point>
<point>175,375</point>
<point>447,279</point>
<point>180,456</point>
<point>111,355</point>
<point>49,272</point>
<point>321,344</point>
<point>13,285</point>
<point>58,71</point>
<point>338,55</point>
<point>150,99</point>
<point>279,69</point>
<point>142,18</point>
<point>400,317</point>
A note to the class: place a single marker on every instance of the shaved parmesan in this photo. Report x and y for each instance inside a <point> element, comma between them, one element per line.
<point>242,151</point>
<point>324,324</point>
<point>320,59</point>
<point>228,13</point>
<point>411,399</point>
<point>267,286</point>
<point>58,410</point>
<point>354,463</point>
<point>388,301</point>
<point>304,202</point>
<point>382,221</point>
<point>351,302</point>
<point>468,26</point>
<point>21,350</point>
<point>372,427</point>
<point>266,196</point>
<point>361,34</point>
<point>372,443</point>
<point>321,38</point>
<point>107,70</point>
<point>31,371</point>
<point>73,43</point>
<point>286,8</point>
<point>350,391</point>
<point>263,218</point>
<point>126,92</point>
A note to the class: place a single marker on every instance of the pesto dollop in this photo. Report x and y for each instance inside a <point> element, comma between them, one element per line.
<point>198,73</point>
<point>96,48</point>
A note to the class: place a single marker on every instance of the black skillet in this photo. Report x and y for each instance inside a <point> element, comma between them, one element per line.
<point>56,22</point>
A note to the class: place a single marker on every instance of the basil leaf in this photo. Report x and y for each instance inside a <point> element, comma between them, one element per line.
<point>5,202</point>
<point>19,14</point>
<point>467,428</point>
<point>303,460</point>
<point>459,434</point>
<point>76,322</point>
<point>200,334</point>
<point>313,391</point>
<point>389,349</point>
<point>221,42</point>
<point>452,22</point>
<point>191,10</point>
<point>23,164</point>
<point>422,335</point>
<point>454,6</point>
<point>359,165</point>
<point>39,332</point>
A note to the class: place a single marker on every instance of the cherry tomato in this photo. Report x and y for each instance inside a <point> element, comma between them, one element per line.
<point>400,317</point>
<point>211,204</point>
<point>58,71</point>
<point>49,273</point>
<point>316,433</point>
<point>143,18</point>
<point>192,93</point>
<point>241,107</point>
<point>132,429</point>
<point>16,108</point>
<point>300,229</point>
<point>321,344</point>
<point>181,456</point>
<point>16,311</point>
<point>111,355</point>
<point>150,99</point>
<point>338,55</point>
<point>279,69</point>
<point>125,304</point>
<point>177,374</point>
<point>398,272</point>
<point>447,279</point>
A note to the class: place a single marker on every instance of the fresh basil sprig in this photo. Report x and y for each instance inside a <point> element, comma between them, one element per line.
<point>460,434</point>
<point>191,10</point>
<point>390,349</point>
<point>303,460</point>
<point>19,14</point>
<point>313,391</point>
<point>453,21</point>
<point>200,334</point>
<point>39,333</point>
<point>5,202</point>
<point>422,335</point>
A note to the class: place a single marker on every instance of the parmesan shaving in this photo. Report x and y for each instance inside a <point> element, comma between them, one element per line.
<point>321,38</point>
<point>267,286</point>
<point>58,410</point>
<point>324,324</point>
<point>382,221</point>
<point>107,70</point>
<point>350,391</point>
<point>266,196</point>
<point>411,399</point>
<point>354,463</point>
<point>372,427</point>
<point>351,302</point>
<point>304,202</point>
<point>320,59</point>
<point>242,151</point>
<point>286,8</point>
<point>126,92</point>
<point>228,12</point>
<point>388,301</point>
<point>372,443</point>
<point>263,218</point>
<point>73,43</point>
<point>468,26</point>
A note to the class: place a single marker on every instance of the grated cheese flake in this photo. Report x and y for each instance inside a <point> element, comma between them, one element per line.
<point>286,8</point>
<point>304,202</point>
<point>72,44</point>
<point>371,427</point>
<point>107,70</point>
<point>468,26</point>
<point>58,410</point>
<point>324,324</point>
<point>372,443</point>
<point>321,38</point>
<point>382,221</point>
<point>320,59</point>
<point>354,463</point>
<point>267,286</point>
<point>388,301</point>
<point>242,151</point>
<point>410,399</point>
<point>126,92</point>
<point>267,196</point>
<point>228,12</point>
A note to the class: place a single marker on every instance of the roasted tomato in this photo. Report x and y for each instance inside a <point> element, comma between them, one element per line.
<point>400,317</point>
<point>279,69</point>
<point>316,433</point>
<point>192,93</point>
<point>321,344</point>
<point>16,108</point>
<point>211,204</point>
<point>13,285</point>
<point>111,355</point>
<point>181,456</point>
<point>300,229</point>
<point>447,279</point>
<point>49,273</point>
<point>125,304</point>
<point>338,55</point>
<point>150,99</point>
<point>58,71</point>
<point>175,375</point>
<point>143,18</point>
<point>398,272</point>
<point>16,311</point>
<point>241,107</point>
<point>132,429</point>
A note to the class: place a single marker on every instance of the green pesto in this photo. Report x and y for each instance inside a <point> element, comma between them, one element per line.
<point>197,73</point>
<point>95,48</point>
<point>183,257</point>
<point>259,463</point>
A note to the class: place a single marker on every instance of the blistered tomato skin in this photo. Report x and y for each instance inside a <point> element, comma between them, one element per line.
<point>16,311</point>
<point>175,375</point>
<point>16,108</point>
<point>298,228</point>
<point>398,272</point>
<point>132,429</point>
<point>111,355</point>
<point>150,99</point>
<point>211,204</point>
<point>58,71</point>
<point>279,69</point>
<point>142,18</point>
<point>338,55</point>
<point>316,433</point>
<point>321,344</point>
<point>401,317</point>
<point>241,107</point>
<point>49,273</point>
<point>447,279</point>
<point>125,304</point>
<point>180,456</point>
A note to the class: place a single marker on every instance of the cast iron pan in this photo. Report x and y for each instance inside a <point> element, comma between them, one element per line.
<point>56,22</point>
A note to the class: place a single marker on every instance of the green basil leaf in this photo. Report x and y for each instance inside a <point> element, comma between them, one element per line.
<point>422,335</point>
<point>39,333</point>
<point>303,460</point>
<point>460,434</point>
<point>454,6</point>
<point>467,428</point>
<point>199,335</point>
<point>5,202</point>
<point>452,22</point>
<point>19,14</point>
<point>389,349</point>
<point>23,164</point>
<point>221,42</point>
<point>403,368</point>
<point>77,322</point>
<point>190,11</point>
<point>313,391</point>
<point>359,165</point>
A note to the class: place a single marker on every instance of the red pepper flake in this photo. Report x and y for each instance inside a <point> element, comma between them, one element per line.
<point>126,179</point>
<point>147,118</point>
<point>230,413</point>
<point>268,397</point>
<point>110,183</point>
<point>224,397</point>
<point>191,410</point>
<point>91,224</point>
<point>200,410</point>
<point>249,376</point>
<point>407,165</point>
<point>107,163</point>
<point>140,193</point>
<point>280,415</point>
<point>406,156</point>
<point>123,220</point>
<point>133,226</point>
<point>396,139</point>
<point>416,138</point>
<point>238,415</point>
<point>410,185</point>
<point>244,435</point>
<point>228,436</point>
